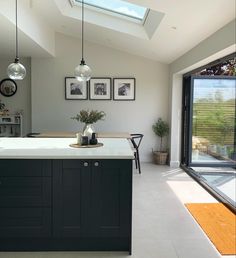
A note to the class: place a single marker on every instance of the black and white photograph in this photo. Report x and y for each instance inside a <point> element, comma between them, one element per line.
<point>124,88</point>
<point>75,89</point>
<point>100,88</point>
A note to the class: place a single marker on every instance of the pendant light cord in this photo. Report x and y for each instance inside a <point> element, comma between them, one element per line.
<point>82,61</point>
<point>17,57</point>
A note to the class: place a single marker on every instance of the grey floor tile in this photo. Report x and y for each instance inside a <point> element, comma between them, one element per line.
<point>195,248</point>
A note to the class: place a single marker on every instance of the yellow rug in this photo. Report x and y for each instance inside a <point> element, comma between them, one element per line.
<point>218,222</point>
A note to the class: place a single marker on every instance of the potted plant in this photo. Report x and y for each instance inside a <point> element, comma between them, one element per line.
<point>89,118</point>
<point>161,129</point>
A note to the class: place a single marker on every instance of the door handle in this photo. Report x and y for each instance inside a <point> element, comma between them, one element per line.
<point>96,164</point>
<point>86,164</point>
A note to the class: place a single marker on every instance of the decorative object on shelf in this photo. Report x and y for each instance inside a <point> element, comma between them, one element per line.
<point>8,87</point>
<point>93,140</point>
<point>78,138</point>
<point>82,71</point>
<point>75,89</point>
<point>100,88</point>
<point>10,125</point>
<point>161,129</point>
<point>124,88</point>
<point>88,130</point>
<point>84,140</point>
<point>16,70</point>
<point>89,118</point>
<point>2,107</point>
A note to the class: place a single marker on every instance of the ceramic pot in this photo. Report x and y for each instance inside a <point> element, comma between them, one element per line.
<point>88,130</point>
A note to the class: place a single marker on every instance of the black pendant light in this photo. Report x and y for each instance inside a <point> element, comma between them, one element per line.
<point>82,71</point>
<point>16,70</point>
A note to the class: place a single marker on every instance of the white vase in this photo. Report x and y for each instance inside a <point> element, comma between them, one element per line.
<point>88,130</point>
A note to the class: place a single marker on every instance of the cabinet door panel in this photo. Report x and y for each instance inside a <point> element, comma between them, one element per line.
<point>111,198</point>
<point>25,222</point>
<point>70,198</point>
<point>25,191</point>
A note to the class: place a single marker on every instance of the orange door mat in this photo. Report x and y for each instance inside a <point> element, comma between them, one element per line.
<point>218,222</point>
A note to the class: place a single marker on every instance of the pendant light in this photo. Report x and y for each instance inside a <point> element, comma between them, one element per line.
<point>82,71</point>
<point>16,70</point>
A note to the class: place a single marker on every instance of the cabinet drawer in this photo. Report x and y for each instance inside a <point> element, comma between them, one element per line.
<point>73,163</point>
<point>25,222</point>
<point>25,191</point>
<point>21,168</point>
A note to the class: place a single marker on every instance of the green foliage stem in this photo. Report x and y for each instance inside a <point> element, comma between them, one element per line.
<point>89,117</point>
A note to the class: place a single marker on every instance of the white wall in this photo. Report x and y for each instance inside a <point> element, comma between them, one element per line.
<point>218,45</point>
<point>30,23</point>
<point>51,112</point>
<point>22,99</point>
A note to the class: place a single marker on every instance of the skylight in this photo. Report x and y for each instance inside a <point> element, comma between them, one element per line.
<point>119,7</point>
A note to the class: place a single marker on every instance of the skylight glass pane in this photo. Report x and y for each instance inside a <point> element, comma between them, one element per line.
<point>118,6</point>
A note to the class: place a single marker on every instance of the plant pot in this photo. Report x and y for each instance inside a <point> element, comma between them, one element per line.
<point>160,158</point>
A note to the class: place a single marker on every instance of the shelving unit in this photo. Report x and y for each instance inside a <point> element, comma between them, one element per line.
<point>11,126</point>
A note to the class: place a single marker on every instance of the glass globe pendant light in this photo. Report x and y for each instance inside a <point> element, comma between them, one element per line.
<point>82,71</point>
<point>16,70</point>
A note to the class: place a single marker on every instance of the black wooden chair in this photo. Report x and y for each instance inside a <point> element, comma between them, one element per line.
<point>136,139</point>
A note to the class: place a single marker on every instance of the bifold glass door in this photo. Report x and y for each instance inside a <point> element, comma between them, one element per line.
<point>209,121</point>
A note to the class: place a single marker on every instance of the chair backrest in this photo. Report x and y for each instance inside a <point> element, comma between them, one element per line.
<point>136,139</point>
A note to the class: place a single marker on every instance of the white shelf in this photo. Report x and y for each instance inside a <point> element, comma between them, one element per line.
<point>10,125</point>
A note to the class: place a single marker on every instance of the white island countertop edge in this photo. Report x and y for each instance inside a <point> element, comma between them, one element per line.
<point>58,148</point>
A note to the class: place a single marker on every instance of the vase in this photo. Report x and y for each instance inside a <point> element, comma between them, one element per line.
<point>88,130</point>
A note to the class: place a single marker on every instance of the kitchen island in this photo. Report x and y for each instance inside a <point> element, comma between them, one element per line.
<point>55,197</point>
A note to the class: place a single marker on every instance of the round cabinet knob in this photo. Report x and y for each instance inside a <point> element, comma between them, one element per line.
<point>96,164</point>
<point>86,164</point>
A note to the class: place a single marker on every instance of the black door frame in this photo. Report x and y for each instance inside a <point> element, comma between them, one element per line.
<point>187,109</point>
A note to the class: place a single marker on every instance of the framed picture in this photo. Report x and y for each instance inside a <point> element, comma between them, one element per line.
<point>100,88</point>
<point>8,87</point>
<point>75,89</point>
<point>124,88</point>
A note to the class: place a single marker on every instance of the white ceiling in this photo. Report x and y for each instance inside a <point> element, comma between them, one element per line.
<point>185,24</point>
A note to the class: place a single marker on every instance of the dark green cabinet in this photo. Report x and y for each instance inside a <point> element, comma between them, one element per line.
<point>65,205</point>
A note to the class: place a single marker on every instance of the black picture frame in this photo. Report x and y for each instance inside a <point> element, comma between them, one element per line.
<point>124,89</point>
<point>100,88</point>
<point>75,90</point>
<point>8,87</point>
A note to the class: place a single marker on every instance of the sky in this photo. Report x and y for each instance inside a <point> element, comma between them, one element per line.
<point>203,88</point>
<point>119,6</point>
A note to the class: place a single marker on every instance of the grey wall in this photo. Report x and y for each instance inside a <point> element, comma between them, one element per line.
<point>21,101</point>
<point>220,40</point>
<point>51,112</point>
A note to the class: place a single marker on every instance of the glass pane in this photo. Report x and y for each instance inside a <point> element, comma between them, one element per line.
<point>117,6</point>
<point>223,182</point>
<point>213,126</point>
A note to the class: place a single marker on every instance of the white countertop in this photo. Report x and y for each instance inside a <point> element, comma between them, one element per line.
<point>58,148</point>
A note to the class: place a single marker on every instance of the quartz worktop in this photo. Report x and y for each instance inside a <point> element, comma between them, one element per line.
<point>58,148</point>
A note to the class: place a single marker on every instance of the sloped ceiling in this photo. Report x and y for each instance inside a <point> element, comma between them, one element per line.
<point>185,24</point>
